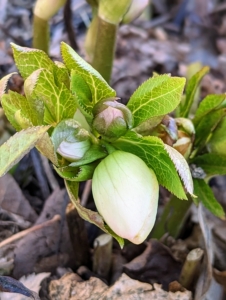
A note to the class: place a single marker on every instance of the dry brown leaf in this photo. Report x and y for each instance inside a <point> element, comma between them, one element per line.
<point>155,264</point>
<point>13,200</point>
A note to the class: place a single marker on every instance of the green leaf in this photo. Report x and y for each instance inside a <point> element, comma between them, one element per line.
<point>61,74</point>
<point>3,83</point>
<point>98,86</point>
<point>81,173</point>
<point>29,60</point>
<point>147,126</point>
<point>192,86</point>
<point>87,214</point>
<point>83,95</point>
<point>207,125</point>
<point>18,145</point>
<point>152,151</point>
<point>95,152</point>
<point>45,146</point>
<point>208,104</point>
<point>157,96</point>
<point>182,168</point>
<point>217,142</point>
<point>212,164</point>
<point>58,101</point>
<point>21,112</point>
<point>206,197</point>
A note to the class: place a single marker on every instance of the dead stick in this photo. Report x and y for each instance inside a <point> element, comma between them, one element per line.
<point>102,257</point>
<point>23,233</point>
<point>191,267</point>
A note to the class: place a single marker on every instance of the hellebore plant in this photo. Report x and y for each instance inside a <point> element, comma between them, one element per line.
<point>73,117</point>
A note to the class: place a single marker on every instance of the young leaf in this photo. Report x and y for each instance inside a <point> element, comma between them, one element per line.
<point>61,74</point>
<point>87,214</point>
<point>83,95</point>
<point>95,152</point>
<point>191,90</point>
<point>98,86</point>
<point>18,145</point>
<point>21,112</point>
<point>3,83</point>
<point>208,104</point>
<point>212,164</point>
<point>152,151</point>
<point>29,60</point>
<point>182,168</point>
<point>81,173</point>
<point>66,129</point>
<point>206,196</point>
<point>157,96</point>
<point>58,101</point>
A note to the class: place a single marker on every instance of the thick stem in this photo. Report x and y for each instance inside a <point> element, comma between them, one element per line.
<point>104,48</point>
<point>40,34</point>
<point>172,218</point>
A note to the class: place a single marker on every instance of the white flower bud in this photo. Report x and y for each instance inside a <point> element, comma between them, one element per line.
<point>126,195</point>
<point>73,151</point>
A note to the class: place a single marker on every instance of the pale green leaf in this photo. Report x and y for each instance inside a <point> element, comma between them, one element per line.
<point>182,168</point>
<point>58,101</point>
<point>29,60</point>
<point>61,74</point>
<point>18,145</point>
<point>208,104</point>
<point>206,197</point>
<point>87,214</point>
<point>212,164</point>
<point>157,96</point>
<point>152,151</point>
<point>4,82</point>
<point>98,86</point>
<point>191,88</point>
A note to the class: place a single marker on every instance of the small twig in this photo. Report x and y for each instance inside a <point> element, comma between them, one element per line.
<point>49,173</point>
<point>68,16</point>
<point>23,233</point>
<point>86,192</point>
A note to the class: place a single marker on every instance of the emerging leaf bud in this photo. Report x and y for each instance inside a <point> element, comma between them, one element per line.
<point>75,150</point>
<point>111,119</point>
<point>126,194</point>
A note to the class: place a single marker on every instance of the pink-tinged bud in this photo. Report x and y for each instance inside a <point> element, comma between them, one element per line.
<point>126,195</point>
<point>111,119</point>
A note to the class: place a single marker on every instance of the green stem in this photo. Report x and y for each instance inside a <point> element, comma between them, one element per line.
<point>104,48</point>
<point>172,219</point>
<point>40,34</point>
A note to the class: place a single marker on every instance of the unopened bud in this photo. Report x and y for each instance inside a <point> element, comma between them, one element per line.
<point>126,195</point>
<point>111,119</point>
